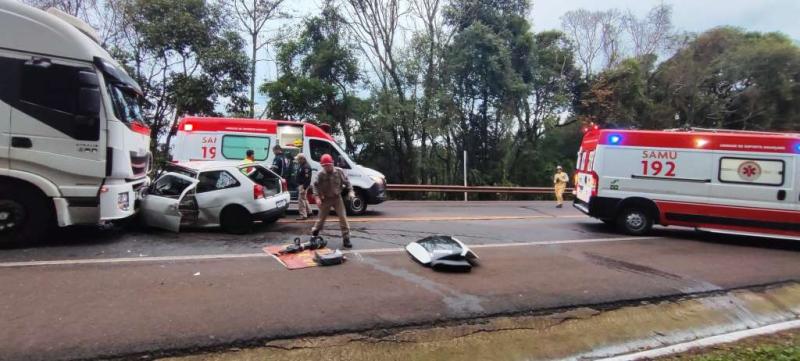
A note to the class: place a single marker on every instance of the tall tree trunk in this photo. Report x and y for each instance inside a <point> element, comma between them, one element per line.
<point>253,76</point>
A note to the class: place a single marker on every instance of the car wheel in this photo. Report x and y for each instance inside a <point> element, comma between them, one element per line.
<point>358,205</point>
<point>25,217</point>
<point>236,220</point>
<point>635,221</point>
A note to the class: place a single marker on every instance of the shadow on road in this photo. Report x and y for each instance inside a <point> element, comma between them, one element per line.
<point>706,237</point>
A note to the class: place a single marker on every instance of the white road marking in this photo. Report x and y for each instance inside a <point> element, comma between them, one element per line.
<point>258,255</point>
<point>706,342</point>
<point>439,219</point>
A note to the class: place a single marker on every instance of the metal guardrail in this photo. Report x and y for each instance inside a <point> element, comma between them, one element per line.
<point>469,189</point>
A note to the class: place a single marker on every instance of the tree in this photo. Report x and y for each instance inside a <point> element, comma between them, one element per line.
<point>375,24</point>
<point>586,31</point>
<point>604,38</point>
<point>620,97</point>
<point>550,96</point>
<point>253,15</point>
<point>76,8</point>
<point>728,78</point>
<point>488,72</point>
<point>651,35</point>
<point>318,68</point>
<point>185,59</point>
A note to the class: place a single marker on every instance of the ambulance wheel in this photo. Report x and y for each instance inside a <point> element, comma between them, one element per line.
<point>236,219</point>
<point>356,206</point>
<point>635,221</point>
<point>25,216</point>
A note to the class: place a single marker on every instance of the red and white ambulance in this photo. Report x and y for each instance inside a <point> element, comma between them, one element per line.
<point>733,182</point>
<point>204,138</point>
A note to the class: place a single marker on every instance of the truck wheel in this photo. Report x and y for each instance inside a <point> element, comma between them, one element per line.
<point>356,206</point>
<point>25,217</point>
<point>634,221</point>
<point>236,220</point>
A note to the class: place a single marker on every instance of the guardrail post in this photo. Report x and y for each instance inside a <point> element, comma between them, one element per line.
<point>465,176</point>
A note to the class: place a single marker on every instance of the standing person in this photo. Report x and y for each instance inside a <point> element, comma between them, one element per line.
<point>279,164</point>
<point>560,180</point>
<point>328,188</point>
<point>303,180</point>
<point>249,156</point>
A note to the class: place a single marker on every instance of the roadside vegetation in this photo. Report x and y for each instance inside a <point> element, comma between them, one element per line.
<point>410,85</point>
<point>783,346</point>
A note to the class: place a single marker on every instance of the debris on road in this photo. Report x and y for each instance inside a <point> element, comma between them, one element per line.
<point>330,259</point>
<point>316,242</point>
<point>298,255</point>
<point>443,253</point>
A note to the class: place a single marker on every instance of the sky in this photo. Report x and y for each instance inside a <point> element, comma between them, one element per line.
<point>687,15</point>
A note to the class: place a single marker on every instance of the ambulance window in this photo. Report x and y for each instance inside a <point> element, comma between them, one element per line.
<point>579,164</point>
<point>751,171</point>
<point>320,147</point>
<point>236,146</point>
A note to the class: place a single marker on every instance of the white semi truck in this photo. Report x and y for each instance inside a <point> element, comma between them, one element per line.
<point>73,149</point>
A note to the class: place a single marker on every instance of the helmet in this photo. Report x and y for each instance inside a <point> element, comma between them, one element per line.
<point>326,159</point>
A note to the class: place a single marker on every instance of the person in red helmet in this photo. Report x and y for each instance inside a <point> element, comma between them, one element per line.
<point>328,187</point>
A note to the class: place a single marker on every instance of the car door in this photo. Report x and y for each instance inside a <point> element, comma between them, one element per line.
<point>160,205</point>
<point>217,188</point>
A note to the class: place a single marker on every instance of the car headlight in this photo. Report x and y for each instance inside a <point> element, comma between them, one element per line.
<point>377,179</point>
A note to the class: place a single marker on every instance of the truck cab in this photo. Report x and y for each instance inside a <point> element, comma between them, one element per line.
<point>73,149</point>
<point>204,138</point>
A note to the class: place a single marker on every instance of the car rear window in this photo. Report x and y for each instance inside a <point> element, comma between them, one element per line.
<point>216,180</point>
<point>260,175</point>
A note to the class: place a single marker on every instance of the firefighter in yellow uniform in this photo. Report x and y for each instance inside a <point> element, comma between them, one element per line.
<point>328,187</point>
<point>560,180</point>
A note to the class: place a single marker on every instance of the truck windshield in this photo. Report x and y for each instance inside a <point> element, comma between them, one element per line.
<point>125,103</point>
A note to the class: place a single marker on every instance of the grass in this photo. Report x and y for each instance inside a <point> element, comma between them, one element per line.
<point>782,346</point>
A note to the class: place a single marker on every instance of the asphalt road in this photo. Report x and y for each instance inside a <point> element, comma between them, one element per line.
<point>89,293</point>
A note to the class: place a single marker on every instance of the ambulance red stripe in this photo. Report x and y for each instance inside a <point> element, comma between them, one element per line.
<point>739,142</point>
<point>262,126</point>
<point>736,212</point>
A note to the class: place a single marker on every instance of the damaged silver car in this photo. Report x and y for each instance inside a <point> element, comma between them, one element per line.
<point>214,194</point>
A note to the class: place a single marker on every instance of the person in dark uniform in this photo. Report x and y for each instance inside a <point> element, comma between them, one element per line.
<point>279,164</point>
<point>303,180</point>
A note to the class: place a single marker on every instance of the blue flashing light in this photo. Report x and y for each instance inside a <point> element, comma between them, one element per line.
<point>797,147</point>
<point>614,139</point>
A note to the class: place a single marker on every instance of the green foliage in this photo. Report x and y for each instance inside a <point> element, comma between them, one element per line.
<point>318,70</point>
<point>724,78</point>
<point>474,77</point>
<point>185,59</point>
